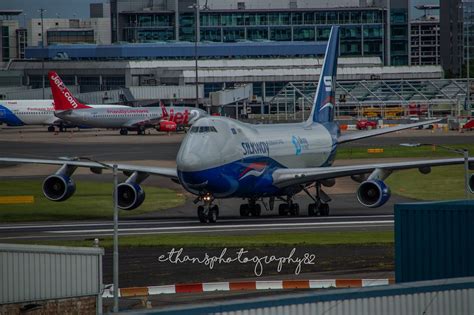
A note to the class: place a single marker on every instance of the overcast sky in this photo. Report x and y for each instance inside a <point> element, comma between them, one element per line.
<point>63,8</point>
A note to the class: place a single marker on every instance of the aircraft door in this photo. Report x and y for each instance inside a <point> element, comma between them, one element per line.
<point>3,114</point>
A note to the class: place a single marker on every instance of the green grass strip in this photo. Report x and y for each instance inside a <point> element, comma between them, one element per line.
<point>396,151</point>
<point>92,200</point>
<point>443,183</point>
<point>257,240</point>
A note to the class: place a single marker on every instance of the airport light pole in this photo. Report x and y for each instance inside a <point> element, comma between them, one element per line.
<point>464,152</point>
<point>195,6</point>
<point>41,11</point>
<point>468,94</point>
<point>114,169</point>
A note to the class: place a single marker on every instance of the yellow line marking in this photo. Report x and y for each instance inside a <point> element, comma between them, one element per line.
<point>9,200</point>
<point>374,150</point>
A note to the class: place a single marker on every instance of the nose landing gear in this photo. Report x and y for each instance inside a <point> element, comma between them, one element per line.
<point>207,213</point>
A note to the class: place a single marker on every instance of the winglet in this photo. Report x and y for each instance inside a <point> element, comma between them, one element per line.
<point>63,98</point>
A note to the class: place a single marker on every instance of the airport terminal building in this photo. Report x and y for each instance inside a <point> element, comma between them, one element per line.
<point>266,43</point>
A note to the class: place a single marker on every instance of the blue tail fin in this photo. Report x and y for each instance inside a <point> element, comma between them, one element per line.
<point>325,97</point>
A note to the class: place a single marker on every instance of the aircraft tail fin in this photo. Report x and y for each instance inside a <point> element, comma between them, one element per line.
<point>324,99</point>
<point>164,112</point>
<point>63,98</point>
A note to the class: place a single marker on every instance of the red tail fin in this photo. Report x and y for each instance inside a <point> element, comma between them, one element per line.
<point>164,112</point>
<point>63,98</point>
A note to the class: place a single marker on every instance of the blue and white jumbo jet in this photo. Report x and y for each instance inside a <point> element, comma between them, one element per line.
<point>224,158</point>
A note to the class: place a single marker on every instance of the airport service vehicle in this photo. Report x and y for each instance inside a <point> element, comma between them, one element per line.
<point>366,124</point>
<point>36,112</point>
<point>68,108</point>
<point>225,158</point>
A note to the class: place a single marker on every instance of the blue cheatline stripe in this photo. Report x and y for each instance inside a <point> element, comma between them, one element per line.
<point>7,116</point>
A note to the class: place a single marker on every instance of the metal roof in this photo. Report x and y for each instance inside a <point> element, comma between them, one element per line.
<point>178,50</point>
<point>10,12</point>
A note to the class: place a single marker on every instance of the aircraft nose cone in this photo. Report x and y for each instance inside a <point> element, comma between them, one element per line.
<point>188,161</point>
<point>198,153</point>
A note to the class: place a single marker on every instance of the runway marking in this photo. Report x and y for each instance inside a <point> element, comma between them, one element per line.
<point>56,225</point>
<point>213,227</point>
<point>10,200</point>
<point>188,232</point>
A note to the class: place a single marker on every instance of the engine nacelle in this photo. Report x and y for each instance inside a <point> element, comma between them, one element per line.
<point>167,126</point>
<point>373,193</point>
<point>58,187</point>
<point>130,196</point>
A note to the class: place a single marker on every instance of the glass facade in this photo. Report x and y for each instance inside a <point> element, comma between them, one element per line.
<point>5,44</point>
<point>468,41</point>
<point>70,36</point>
<point>399,36</point>
<point>362,32</point>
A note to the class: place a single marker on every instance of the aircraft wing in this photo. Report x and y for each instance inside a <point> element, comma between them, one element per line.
<point>95,167</point>
<point>376,132</point>
<point>289,177</point>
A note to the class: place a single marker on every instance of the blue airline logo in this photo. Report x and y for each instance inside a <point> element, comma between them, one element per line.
<point>300,144</point>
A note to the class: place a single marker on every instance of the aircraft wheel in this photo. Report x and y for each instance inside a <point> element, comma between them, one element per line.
<point>283,209</point>
<point>51,128</point>
<point>123,132</point>
<point>244,210</point>
<point>213,214</point>
<point>257,210</point>
<point>295,210</point>
<point>324,209</point>
<point>311,210</point>
<point>201,214</point>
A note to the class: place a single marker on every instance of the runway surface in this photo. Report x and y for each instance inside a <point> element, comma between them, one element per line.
<point>89,230</point>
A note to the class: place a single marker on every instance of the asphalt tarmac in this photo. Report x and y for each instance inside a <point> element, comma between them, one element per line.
<point>157,148</point>
<point>109,145</point>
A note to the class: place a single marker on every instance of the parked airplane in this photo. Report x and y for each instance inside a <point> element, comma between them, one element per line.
<point>224,158</point>
<point>68,108</point>
<point>36,112</point>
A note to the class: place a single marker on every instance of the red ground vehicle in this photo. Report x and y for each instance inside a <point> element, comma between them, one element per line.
<point>469,125</point>
<point>366,124</point>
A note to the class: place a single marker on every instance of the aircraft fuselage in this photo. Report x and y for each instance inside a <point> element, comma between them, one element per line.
<point>228,158</point>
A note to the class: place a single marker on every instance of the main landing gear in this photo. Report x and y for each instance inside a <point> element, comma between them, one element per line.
<point>208,213</point>
<point>124,131</point>
<point>141,131</point>
<point>320,205</point>
<point>289,208</point>
<point>250,209</point>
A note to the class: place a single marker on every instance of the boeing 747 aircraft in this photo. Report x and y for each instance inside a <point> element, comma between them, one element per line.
<point>68,108</point>
<point>224,158</point>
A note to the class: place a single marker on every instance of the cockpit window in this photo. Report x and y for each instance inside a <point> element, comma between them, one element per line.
<point>203,129</point>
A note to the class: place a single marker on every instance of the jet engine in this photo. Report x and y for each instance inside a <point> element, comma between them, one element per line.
<point>166,126</point>
<point>373,193</point>
<point>130,196</point>
<point>60,186</point>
